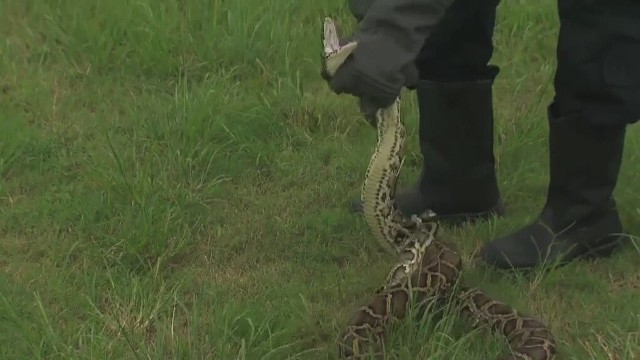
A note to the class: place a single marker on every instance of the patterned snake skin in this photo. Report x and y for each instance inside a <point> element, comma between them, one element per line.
<point>427,268</point>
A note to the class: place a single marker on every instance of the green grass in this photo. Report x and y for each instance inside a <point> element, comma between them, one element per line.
<point>175,175</point>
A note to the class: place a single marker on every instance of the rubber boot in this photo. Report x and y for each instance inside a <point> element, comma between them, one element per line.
<point>458,179</point>
<point>579,218</point>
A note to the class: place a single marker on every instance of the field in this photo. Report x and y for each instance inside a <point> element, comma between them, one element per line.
<point>174,181</point>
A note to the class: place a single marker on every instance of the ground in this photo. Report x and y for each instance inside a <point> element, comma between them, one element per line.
<point>174,180</point>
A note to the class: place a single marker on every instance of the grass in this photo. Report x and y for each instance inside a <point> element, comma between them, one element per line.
<point>174,180</point>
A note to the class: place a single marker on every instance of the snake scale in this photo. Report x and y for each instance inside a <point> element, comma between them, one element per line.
<point>427,269</point>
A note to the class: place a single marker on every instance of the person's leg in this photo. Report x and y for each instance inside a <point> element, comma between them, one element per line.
<point>455,102</point>
<point>597,86</point>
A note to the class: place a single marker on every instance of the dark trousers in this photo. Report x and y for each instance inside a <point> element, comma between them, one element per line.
<point>598,53</point>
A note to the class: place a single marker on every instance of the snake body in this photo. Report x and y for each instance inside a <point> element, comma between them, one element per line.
<point>427,269</point>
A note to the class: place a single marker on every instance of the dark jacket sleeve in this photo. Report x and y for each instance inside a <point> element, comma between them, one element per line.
<point>360,7</point>
<point>390,36</point>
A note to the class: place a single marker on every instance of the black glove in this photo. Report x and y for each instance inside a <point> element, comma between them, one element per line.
<point>372,75</point>
<point>349,79</point>
<point>359,8</point>
<point>390,35</point>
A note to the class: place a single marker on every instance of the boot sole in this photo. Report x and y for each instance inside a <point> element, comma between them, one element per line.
<point>458,219</point>
<point>471,218</point>
<point>605,250</point>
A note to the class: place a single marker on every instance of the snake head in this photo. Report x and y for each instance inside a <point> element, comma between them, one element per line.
<point>330,46</point>
<point>335,49</point>
<point>330,39</point>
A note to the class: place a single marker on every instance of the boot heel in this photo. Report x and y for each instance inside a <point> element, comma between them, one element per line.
<point>608,245</point>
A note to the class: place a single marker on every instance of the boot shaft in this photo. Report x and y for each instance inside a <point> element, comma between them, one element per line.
<point>456,142</point>
<point>584,163</point>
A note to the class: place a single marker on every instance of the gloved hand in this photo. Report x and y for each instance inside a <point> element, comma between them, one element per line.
<point>390,34</point>
<point>359,8</point>
<point>373,76</point>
